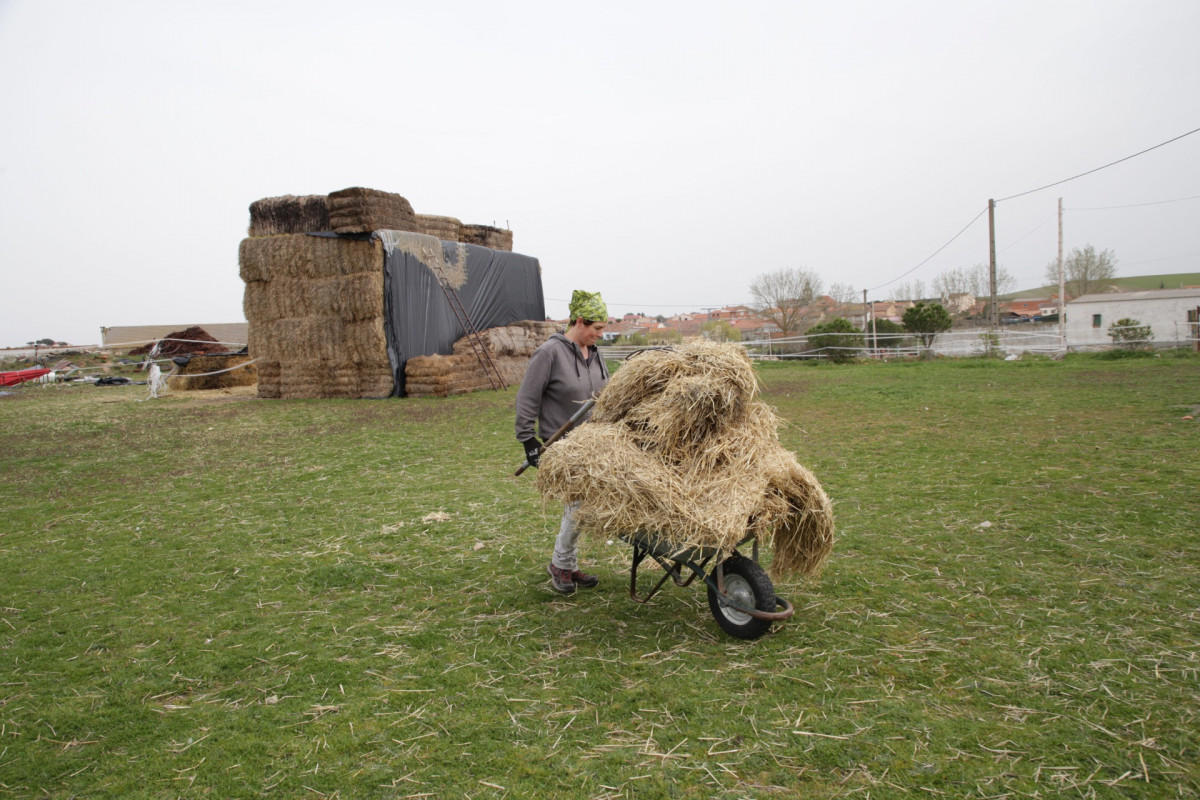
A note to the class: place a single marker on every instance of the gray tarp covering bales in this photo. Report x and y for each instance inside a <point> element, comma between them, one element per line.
<point>495,288</point>
<point>340,315</point>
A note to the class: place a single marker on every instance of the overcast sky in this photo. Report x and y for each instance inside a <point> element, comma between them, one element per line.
<point>664,153</point>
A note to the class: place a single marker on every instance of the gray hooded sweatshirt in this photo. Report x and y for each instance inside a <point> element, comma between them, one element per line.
<point>556,383</point>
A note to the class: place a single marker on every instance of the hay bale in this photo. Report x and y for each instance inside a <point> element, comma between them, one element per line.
<point>359,210</point>
<point>268,379</point>
<point>440,376</point>
<point>509,347</point>
<point>266,258</point>
<point>679,444</point>
<point>198,372</point>
<point>446,228</point>
<point>272,216</point>
<point>312,379</point>
<point>519,339</point>
<point>488,236</point>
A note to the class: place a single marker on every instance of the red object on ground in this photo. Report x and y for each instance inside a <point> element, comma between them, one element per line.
<point>20,376</point>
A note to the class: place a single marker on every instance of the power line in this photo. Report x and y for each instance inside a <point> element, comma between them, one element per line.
<point>1138,205</point>
<point>1040,225</point>
<point>1164,258</point>
<point>935,252</point>
<point>969,224</point>
<point>1097,169</point>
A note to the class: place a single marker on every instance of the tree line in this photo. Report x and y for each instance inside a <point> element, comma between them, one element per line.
<point>783,297</point>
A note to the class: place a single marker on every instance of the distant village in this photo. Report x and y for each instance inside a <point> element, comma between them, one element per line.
<point>744,323</point>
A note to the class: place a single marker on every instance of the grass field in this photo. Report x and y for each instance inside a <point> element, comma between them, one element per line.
<point>211,595</point>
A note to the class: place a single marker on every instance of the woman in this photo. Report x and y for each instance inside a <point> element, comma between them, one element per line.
<point>563,373</point>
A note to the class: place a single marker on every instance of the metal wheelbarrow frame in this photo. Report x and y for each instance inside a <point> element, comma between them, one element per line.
<point>740,593</point>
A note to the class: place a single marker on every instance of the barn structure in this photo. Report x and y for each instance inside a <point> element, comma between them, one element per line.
<point>1170,313</point>
<point>344,290</point>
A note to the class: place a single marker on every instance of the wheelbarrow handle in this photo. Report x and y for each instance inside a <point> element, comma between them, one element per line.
<point>561,432</point>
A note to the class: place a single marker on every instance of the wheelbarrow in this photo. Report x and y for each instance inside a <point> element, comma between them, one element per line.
<point>740,593</point>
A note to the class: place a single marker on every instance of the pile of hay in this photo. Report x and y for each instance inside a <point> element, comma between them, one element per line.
<point>359,210</point>
<point>189,341</point>
<point>198,372</point>
<point>316,314</point>
<point>678,444</point>
<point>288,214</point>
<point>509,346</point>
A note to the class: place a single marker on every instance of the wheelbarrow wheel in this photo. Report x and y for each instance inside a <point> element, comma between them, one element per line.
<point>747,584</point>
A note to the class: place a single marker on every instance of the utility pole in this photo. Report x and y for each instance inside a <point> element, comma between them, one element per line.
<point>995,309</point>
<point>1062,285</point>
<point>866,316</point>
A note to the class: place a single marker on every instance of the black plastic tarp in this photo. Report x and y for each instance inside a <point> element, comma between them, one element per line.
<point>494,287</point>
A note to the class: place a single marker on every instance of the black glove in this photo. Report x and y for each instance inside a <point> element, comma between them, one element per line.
<point>533,450</point>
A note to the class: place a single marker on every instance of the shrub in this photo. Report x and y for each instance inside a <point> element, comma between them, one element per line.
<point>1130,334</point>
<point>838,340</point>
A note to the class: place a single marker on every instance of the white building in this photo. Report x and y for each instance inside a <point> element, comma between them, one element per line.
<point>1170,313</point>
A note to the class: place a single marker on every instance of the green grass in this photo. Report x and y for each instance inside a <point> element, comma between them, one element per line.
<point>209,595</point>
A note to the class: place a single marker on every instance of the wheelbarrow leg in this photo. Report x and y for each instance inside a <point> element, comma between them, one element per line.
<point>671,570</point>
<point>639,555</point>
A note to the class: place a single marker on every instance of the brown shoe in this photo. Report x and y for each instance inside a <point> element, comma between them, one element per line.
<point>583,580</point>
<point>561,579</point>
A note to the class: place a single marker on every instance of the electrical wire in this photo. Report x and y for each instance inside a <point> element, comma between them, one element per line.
<point>1136,205</point>
<point>1040,225</point>
<point>1097,169</point>
<point>931,255</point>
<point>969,224</point>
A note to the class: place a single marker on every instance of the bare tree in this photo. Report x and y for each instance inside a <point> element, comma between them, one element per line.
<point>781,297</point>
<point>974,280</point>
<point>911,290</point>
<point>952,281</point>
<point>1085,271</point>
<point>843,292</point>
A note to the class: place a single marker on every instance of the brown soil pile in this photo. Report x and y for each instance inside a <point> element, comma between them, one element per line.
<point>197,343</point>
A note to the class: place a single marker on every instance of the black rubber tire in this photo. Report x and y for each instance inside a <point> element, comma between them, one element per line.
<point>747,583</point>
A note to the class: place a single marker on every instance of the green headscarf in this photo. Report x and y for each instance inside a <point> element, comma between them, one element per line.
<point>588,305</point>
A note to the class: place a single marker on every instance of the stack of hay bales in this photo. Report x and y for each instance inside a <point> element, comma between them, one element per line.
<point>315,304</point>
<point>219,371</point>
<point>316,312</point>
<point>272,216</point>
<point>679,445</point>
<point>509,346</point>
<point>359,210</point>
